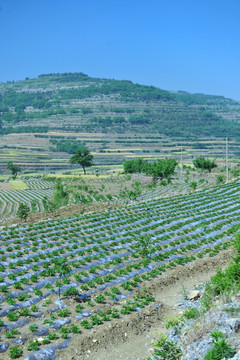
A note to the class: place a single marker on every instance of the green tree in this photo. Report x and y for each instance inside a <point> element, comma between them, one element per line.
<point>162,169</point>
<point>82,157</point>
<point>49,206</point>
<point>193,185</point>
<point>13,168</point>
<point>204,164</point>
<point>23,211</point>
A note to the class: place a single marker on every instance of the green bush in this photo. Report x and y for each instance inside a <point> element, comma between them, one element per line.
<point>23,211</point>
<point>167,350</point>
<point>191,313</point>
<point>221,349</point>
<point>224,282</point>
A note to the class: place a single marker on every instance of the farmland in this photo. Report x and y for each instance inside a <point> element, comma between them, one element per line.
<point>31,193</point>
<point>114,119</point>
<point>109,260</point>
<point>85,265</point>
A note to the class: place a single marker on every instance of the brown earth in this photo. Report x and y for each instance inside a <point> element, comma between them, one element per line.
<point>67,211</point>
<point>133,336</point>
<point>5,186</point>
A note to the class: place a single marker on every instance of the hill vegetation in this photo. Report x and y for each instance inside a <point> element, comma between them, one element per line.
<point>115,119</point>
<point>133,107</point>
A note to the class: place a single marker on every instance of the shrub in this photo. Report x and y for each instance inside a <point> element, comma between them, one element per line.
<point>191,313</point>
<point>224,282</point>
<point>167,350</point>
<point>221,349</point>
<point>23,211</point>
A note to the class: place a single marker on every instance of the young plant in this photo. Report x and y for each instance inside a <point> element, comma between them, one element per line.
<point>12,333</point>
<point>15,352</point>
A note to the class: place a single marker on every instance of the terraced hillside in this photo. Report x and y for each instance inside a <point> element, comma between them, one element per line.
<point>33,196</point>
<point>115,119</point>
<point>62,279</point>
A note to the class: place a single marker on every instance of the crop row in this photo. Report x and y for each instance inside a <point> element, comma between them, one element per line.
<point>109,256</point>
<point>10,200</point>
<point>39,184</point>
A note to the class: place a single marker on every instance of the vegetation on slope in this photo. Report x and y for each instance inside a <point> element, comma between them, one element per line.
<point>138,107</point>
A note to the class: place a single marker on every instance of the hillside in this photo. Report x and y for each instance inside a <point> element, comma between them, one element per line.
<point>79,283</point>
<point>108,115</point>
<point>93,104</point>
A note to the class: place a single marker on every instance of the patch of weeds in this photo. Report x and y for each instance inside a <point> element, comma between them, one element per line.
<point>223,282</point>
<point>175,323</point>
<point>184,292</point>
<point>232,310</point>
<point>221,349</point>
<point>191,313</point>
<point>167,350</point>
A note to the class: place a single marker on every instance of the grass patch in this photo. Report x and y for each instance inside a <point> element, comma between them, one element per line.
<point>18,185</point>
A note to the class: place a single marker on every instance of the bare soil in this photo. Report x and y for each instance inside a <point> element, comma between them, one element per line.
<point>5,186</point>
<point>67,211</point>
<point>133,336</point>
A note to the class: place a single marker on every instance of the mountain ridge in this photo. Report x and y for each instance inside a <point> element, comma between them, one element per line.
<point>108,105</point>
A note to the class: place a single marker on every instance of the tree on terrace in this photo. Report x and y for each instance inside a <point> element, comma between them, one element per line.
<point>161,169</point>
<point>23,211</point>
<point>13,168</point>
<point>205,164</point>
<point>82,157</point>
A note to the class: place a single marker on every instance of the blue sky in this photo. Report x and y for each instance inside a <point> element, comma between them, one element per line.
<point>186,45</point>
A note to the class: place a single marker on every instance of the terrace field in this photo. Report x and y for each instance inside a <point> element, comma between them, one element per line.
<point>65,281</point>
<point>99,257</point>
<point>114,119</point>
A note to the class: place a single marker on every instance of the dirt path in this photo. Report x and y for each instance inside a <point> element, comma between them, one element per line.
<point>133,336</point>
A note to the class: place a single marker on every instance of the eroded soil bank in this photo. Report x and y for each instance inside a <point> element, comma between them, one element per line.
<point>132,336</point>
